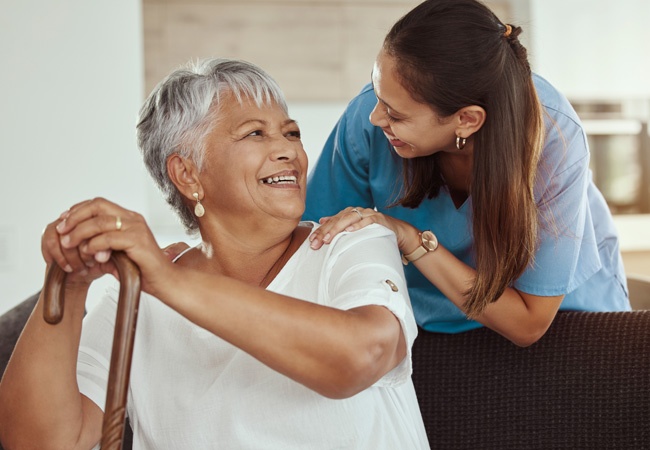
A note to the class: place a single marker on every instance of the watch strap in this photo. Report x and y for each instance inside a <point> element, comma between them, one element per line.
<point>422,249</point>
<point>414,255</point>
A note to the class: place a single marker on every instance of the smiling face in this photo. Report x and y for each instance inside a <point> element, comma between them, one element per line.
<point>254,166</point>
<point>412,128</point>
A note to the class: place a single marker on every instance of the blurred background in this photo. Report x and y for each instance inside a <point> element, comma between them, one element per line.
<point>74,74</point>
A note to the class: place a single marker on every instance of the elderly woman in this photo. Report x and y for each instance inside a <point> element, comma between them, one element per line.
<point>250,339</point>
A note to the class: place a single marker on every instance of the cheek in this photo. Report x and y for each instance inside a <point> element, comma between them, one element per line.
<point>304,160</point>
<point>406,133</point>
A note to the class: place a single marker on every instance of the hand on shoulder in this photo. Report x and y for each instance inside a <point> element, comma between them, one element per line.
<point>353,219</point>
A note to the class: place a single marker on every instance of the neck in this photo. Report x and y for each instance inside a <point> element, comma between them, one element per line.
<point>248,254</point>
<point>456,168</point>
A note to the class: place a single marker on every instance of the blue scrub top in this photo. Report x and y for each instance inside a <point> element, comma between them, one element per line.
<point>578,255</point>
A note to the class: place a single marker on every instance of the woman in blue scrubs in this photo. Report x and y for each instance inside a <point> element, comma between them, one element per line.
<point>481,168</point>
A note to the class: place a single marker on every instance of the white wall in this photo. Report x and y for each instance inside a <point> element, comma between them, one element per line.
<point>71,81</point>
<point>593,48</point>
<point>70,86</point>
<point>71,89</point>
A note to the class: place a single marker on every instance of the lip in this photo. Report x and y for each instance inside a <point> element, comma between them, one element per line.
<point>393,140</point>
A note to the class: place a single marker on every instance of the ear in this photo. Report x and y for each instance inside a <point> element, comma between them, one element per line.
<point>470,120</point>
<point>185,175</point>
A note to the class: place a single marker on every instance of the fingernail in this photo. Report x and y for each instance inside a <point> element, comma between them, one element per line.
<point>65,240</point>
<point>68,268</point>
<point>90,264</point>
<point>349,228</point>
<point>327,238</point>
<point>61,226</point>
<point>64,214</point>
<point>102,256</point>
<point>314,244</point>
<point>83,272</point>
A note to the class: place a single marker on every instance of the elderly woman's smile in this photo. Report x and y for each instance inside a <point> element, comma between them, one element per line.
<point>280,179</point>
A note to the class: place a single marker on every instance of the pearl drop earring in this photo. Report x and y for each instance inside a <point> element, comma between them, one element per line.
<point>199,210</point>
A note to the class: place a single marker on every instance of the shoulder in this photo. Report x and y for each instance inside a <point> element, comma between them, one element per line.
<point>372,231</point>
<point>374,236</point>
<point>566,142</point>
<point>365,96</point>
<point>347,239</point>
<point>552,100</point>
<point>362,104</point>
<point>556,106</point>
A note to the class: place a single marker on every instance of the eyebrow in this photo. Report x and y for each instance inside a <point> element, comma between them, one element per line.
<point>264,122</point>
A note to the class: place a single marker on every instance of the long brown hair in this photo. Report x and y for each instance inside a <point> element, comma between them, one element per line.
<point>457,53</point>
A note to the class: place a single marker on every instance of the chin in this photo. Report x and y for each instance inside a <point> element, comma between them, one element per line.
<point>405,152</point>
<point>294,214</point>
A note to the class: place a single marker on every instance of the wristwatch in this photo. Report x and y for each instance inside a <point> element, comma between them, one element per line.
<point>428,244</point>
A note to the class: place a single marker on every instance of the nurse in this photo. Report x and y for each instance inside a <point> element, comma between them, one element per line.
<point>481,168</point>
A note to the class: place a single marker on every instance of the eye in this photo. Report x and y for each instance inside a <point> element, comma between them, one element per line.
<point>390,118</point>
<point>255,133</point>
<point>293,135</point>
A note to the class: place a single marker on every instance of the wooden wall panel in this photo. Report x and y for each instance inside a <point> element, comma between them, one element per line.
<point>317,50</point>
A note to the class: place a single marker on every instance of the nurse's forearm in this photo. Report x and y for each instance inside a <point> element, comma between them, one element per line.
<point>522,318</point>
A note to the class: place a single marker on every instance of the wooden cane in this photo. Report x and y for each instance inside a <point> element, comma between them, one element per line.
<point>123,339</point>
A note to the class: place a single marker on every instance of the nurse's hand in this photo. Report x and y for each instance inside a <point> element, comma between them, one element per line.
<point>353,219</point>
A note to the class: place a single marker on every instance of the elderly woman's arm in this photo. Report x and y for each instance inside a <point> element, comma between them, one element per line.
<point>334,352</point>
<point>40,403</point>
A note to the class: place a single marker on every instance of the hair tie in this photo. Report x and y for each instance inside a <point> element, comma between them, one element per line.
<point>508,31</point>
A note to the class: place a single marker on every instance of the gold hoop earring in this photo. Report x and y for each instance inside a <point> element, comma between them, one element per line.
<point>460,142</point>
<point>199,210</point>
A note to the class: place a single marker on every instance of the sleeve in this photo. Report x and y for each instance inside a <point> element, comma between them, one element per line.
<point>567,254</point>
<point>364,268</point>
<point>95,348</point>
<point>340,176</point>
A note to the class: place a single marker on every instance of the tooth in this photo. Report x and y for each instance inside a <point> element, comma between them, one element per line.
<point>269,180</point>
<point>276,179</point>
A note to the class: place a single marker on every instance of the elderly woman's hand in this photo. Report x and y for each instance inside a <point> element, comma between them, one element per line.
<point>82,268</point>
<point>353,219</point>
<point>87,234</point>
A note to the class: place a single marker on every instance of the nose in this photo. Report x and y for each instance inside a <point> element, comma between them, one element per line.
<point>285,149</point>
<point>377,118</point>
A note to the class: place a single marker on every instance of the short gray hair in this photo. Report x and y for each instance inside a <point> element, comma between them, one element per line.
<point>183,109</point>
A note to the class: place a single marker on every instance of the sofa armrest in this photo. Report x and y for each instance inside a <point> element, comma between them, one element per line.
<point>585,384</point>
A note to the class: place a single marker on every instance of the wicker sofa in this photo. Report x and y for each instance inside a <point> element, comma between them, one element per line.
<point>584,385</point>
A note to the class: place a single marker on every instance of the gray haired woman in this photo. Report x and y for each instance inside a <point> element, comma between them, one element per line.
<point>251,339</point>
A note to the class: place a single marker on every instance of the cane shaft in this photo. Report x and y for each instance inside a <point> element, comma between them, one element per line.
<point>123,340</point>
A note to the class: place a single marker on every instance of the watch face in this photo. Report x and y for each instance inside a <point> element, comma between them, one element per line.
<point>429,241</point>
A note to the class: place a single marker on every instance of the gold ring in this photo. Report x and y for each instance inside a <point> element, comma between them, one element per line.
<point>118,223</point>
<point>358,212</point>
